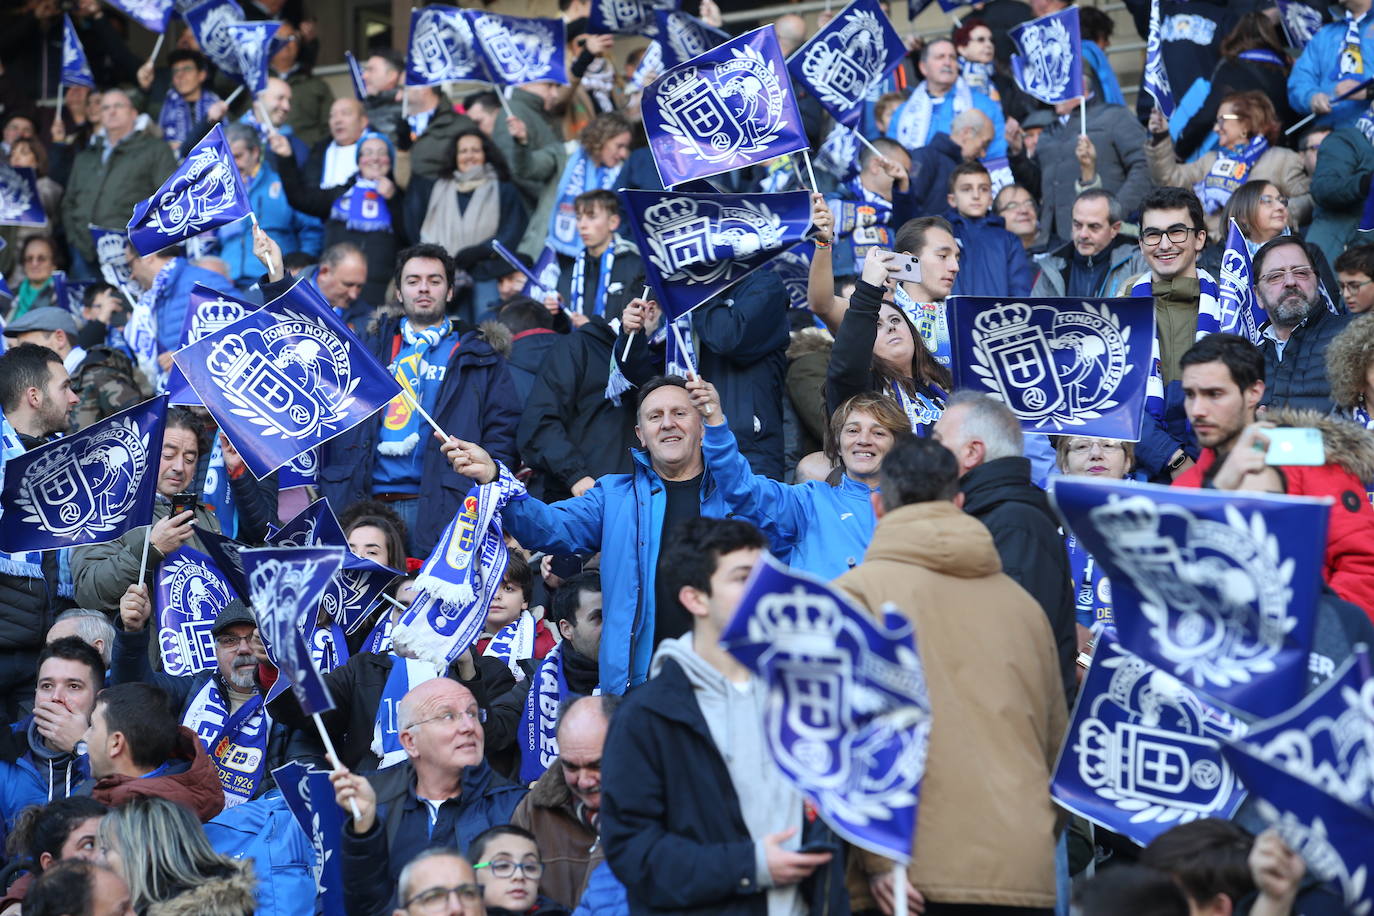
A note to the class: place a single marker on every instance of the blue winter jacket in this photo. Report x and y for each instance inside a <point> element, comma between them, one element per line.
<point>292,229</point>
<point>604,896</point>
<point>37,777</point>
<point>942,119</point>
<point>1316,71</point>
<point>264,831</point>
<point>622,517</point>
<point>170,309</point>
<point>992,261</point>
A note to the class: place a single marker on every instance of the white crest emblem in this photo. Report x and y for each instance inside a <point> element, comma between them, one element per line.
<point>1061,378</point>
<point>292,378</point>
<point>202,190</point>
<point>1216,594</point>
<point>112,253</point>
<point>17,198</point>
<point>218,42</point>
<point>703,241</point>
<point>520,49</point>
<point>281,586</point>
<point>843,65</point>
<point>71,51</point>
<point>200,593</point>
<point>684,37</point>
<point>441,45</point>
<point>346,590</point>
<point>306,463</point>
<point>725,112</point>
<point>1049,58</point>
<point>211,316</point>
<point>84,494</point>
<point>250,51</point>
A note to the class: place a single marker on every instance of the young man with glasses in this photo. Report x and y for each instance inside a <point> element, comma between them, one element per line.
<point>1300,326</point>
<point>1355,271</point>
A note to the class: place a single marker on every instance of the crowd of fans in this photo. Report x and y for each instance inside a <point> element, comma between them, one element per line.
<point>597,751</point>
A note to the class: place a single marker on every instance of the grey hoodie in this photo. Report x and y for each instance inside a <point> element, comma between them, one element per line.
<point>734,714</point>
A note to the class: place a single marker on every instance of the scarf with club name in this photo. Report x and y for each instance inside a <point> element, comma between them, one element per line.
<point>406,674</point>
<point>236,742</point>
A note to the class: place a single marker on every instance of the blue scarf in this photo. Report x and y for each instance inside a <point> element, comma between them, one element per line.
<point>539,722</point>
<point>514,643</point>
<point>401,426</point>
<point>236,742</point>
<point>911,123</point>
<point>1092,590</point>
<point>328,647</point>
<point>379,640</point>
<point>1263,56</point>
<point>922,409</point>
<point>178,116</point>
<point>931,322</point>
<point>579,175</point>
<point>1352,53</point>
<point>1208,322</point>
<point>405,675</point>
<point>979,76</point>
<point>362,208</point>
<point>1229,171</point>
<point>603,281</point>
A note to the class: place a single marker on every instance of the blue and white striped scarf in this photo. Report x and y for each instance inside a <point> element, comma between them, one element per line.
<point>1208,322</point>
<point>911,122</point>
<point>30,563</point>
<point>514,643</point>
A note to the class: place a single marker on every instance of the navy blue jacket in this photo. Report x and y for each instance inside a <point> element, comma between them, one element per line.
<point>477,402</point>
<point>671,820</point>
<point>993,262</point>
<point>931,168</point>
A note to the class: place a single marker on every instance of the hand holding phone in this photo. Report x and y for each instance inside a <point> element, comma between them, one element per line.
<point>909,267</point>
<point>182,502</point>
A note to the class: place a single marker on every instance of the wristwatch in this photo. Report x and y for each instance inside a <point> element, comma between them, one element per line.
<point>1177,461</point>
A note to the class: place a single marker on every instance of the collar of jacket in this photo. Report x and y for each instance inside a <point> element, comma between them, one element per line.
<point>669,696</point>
<point>644,467</point>
<point>1069,253</point>
<point>1000,481</point>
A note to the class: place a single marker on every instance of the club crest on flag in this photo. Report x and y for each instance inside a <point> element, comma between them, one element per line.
<point>1241,312</point>
<point>210,311</point>
<point>626,17</point>
<point>207,22</point>
<point>794,268</point>
<point>206,191</point>
<point>76,70</point>
<point>682,37</point>
<point>1059,364</point>
<point>1217,589</point>
<point>842,62</point>
<point>111,251</point>
<point>1156,78</point>
<point>286,584</point>
<point>301,471</point>
<point>1300,21</point>
<point>251,41</point>
<point>518,50</point>
<point>153,15</point>
<point>1050,63</point>
<point>1142,751</point>
<point>20,204</point>
<point>190,594</point>
<point>441,47</point>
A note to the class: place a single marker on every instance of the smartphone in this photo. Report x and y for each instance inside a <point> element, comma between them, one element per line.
<point>565,566</point>
<point>909,267</point>
<point>1295,445</point>
<point>816,846</point>
<point>182,502</point>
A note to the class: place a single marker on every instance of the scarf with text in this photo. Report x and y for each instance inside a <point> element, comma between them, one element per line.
<point>931,322</point>
<point>401,438</point>
<point>538,735</point>
<point>514,643</point>
<point>1229,171</point>
<point>579,175</point>
<point>236,742</point>
<point>1352,53</point>
<point>1092,589</point>
<point>605,263</point>
<point>178,116</point>
<point>362,208</point>
<point>406,674</point>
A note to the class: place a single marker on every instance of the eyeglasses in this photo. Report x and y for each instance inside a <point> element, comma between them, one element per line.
<point>506,868</point>
<point>1352,289</point>
<point>1269,200</point>
<point>1011,205</point>
<point>1082,448</point>
<point>1277,277</point>
<point>448,718</point>
<point>1177,233</point>
<point>1221,118</point>
<point>233,642</point>
<point>433,899</point>
<point>184,68</point>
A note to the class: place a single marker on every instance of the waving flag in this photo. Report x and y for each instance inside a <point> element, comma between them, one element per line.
<point>20,204</point>
<point>842,63</point>
<point>286,584</point>
<point>839,153</point>
<point>695,245</point>
<point>1061,365</point>
<point>210,310</point>
<point>1300,22</point>
<point>301,471</point>
<point>355,73</point>
<point>682,37</point>
<point>1049,60</point>
<point>76,71</point>
<point>153,15</point>
<point>1217,589</point>
<point>722,110</point>
<point>309,795</point>
<point>85,488</point>
<point>648,68</point>
<point>191,591</point>
<point>1155,80</point>
<point>1241,312</point>
<point>205,192</point>
<point>794,268</point>
<point>442,47</point>
<point>627,17</point>
<point>848,717</point>
<point>207,23</point>
<point>1143,752</point>
<point>111,250</point>
<point>253,45</point>
<point>286,378</point>
<point>519,50</point>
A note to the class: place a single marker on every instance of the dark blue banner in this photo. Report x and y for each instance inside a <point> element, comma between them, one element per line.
<point>207,23</point>
<point>842,63</point>
<point>1241,312</point>
<point>309,795</point>
<point>1219,589</point>
<point>627,17</point>
<point>85,488</point>
<point>20,204</point>
<point>848,716</point>
<point>695,245</point>
<point>225,553</point>
<point>1142,752</point>
<point>725,109</point>
<point>76,70</point>
<point>682,37</point>
<point>1156,78</point>
<point>253,43</point>
<point>209,311</point>
<point>442,47</point>
<point>355,73</point>
<point>1077,366</point>
<point>1048,63</point>
<point>793,267</point>
<point>191,591</point>
<point>153,15</point>
<point>111,250</point>
<point>517,49</point>
<point>285,585</point>
<point>205,192</point>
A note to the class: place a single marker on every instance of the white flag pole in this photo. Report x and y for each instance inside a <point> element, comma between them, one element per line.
<point>157,46</point>
<point>334,759</point>
<point>143,563</point>
<point>504,103</point>
<point>1083,116</point>
<point>423,413</point>
<point>806,157</point>
<point>899,890</point>
<point>230,101</point>
<point>61,94</point>
<point>630,337</point>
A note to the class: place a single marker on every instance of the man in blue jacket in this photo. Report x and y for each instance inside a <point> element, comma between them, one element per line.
<point>293,230</point>
<point>1338,58</point>
<point>167,277</point>
<point>994,262</point>
<point>459,380</point>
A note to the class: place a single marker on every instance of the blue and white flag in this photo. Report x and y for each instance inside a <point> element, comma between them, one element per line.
<point>695,245</point>
<point>191,591</point>
<point>20,204</point>
<point>730,107</point>
<point>76,70</point>
<point>205,192</point>
<point>301,471</point>
<point>309,795</point>
<point>112,253</point>
<point>460,576</point>
<point>1332,835</point>
<point>153,15</point>
<point>286,378</point>
<point>649,66</point>
<point>284,585</point>
<point>209,311</point>
<point>1367,215</point>
<point>545,279</point>
<point>1300,22</point>
<point>848,716</point>
<point>1241,312</point>
<point>355,73</point>
<point>516,49</point>
<point>1062,365</point>
<point>1048,63</point>
<point>1328,738</point>
<point>1143,752</point>
<point>682,37</point>
<point>86,488</point>
<point>61,295</point>
<point>627,17</point>
<point>328,649</point>
<point>793,267</point>
<point>999,170</point>
<point>514,261</point>
<point>442,47</point>
<point>839,153</point>
<point>253,43</point>
<point>1155,80</point>
<point>1217,589</point>
<point>842,63</point>
<point>207,23</point>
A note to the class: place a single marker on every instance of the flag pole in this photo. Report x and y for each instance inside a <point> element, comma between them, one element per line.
<point>157,46</point>
<point>1340,98</point>
<point>630,337</point>
<point>502,96</point>
<point>230,101</point>
<point>1082,116</point>
<point>334,759</point>
<point>899,907</point>
<point>865,141</point>
<point>143,563</point>
<point>423,413</point>
<point>61,93</point>
<point>806,157</point>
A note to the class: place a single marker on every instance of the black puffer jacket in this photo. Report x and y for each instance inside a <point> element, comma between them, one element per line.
<point>1024,527</point>
<point>28,606</point>
<point>1299,381</point>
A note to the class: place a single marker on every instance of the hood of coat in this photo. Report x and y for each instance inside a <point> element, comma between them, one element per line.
<point>1000,481</point>
<point>808,341</point>
<point>699,672</point>
<point>938,536</point>
<point>498,335</point>
<point>234,894</point>
<point>1348,445</point>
